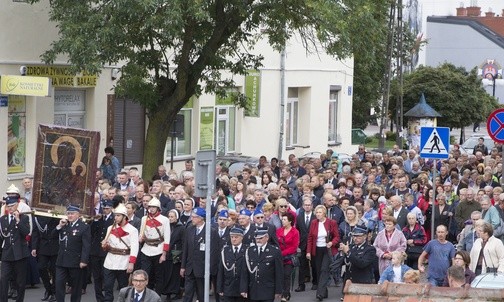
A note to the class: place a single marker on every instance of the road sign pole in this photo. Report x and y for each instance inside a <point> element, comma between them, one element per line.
<point>434,175</point>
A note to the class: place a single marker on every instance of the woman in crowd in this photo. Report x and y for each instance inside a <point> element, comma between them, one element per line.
<point>107,170</point>
<point>387,241</point>
<point>224,191</point>
<point>487,253</point>
<point>172,272</point>
<point>185,216</point>
<point>286,193</point>
<point>396,270</point>
<point>239,196</point>
<point>463,259</point>
<point>443,213</point>
<point>266,179</point>
<point>269,216</point>
<point>351,221</point>
<point>322,236</point>
<point>415,240</point>
<point>282,207</point>
<point>288,240</point>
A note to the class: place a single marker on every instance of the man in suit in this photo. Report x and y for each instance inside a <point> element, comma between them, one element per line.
<point>400,212</point>
<point>193,255</point>
<point>134,220</point>
<point>262,277</point>
<point>45,247</point>
<point>15,227</point>
<point>359,258</point>
<point>73,254</point>
<point>97,254</point>
<point>303,221</point>
<point>223,229</point>
<point>230,267</point>
<point>139,291</point>
<point>259,223</point>
<point>247,226</point>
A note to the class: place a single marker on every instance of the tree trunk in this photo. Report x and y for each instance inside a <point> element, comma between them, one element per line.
<point>155,141</point>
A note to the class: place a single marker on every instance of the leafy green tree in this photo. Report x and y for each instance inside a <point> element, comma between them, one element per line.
<point>175,49</point>
<point>456,94</point>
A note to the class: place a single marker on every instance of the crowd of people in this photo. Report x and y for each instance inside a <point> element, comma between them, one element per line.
<point>367,220</point>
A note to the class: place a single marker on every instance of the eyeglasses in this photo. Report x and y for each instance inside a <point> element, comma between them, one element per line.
<point>138,280</point>
<point>260,217</point>
<point>283,206</point>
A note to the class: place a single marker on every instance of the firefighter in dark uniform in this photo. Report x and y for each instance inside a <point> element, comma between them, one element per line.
<point>14,227</point>
<point>262,277</point>
<point>360,257</point>
<point>73,255</point>
<point>230,267</point>
<point>45,248</point>
<point>97,254</point>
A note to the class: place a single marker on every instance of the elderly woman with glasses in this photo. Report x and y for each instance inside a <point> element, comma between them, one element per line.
<point>487,253</point>
<point>323,242</point>
<point>462,259</point>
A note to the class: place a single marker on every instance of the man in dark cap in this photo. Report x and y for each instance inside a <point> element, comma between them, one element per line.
<point>99,228</point>
<point>248,228</point>
<point>230,267</point>
<point>193,255</point>
<point>360,257</point>
<point>261,279</point>
<point>73,255</point>
<point>15,227</point>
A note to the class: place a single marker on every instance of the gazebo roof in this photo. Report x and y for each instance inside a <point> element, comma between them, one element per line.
<point>422,109</point>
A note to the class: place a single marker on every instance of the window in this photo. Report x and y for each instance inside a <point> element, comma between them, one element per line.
<point>292,117</point>
<point>16,134</point>
<point>69,108</point>
<point>225,125</point>
<point>333,114</point>
<point>182,138</point>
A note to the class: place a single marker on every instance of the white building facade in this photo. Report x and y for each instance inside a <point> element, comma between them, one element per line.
<point>314,114</point>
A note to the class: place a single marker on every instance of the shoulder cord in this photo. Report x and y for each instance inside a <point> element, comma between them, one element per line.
<point>232,268</point>
<point>64,238</point>
<point>42,230</point>
<point>248,263</point>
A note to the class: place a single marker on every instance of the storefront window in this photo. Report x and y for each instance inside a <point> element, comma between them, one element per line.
<point>70,108</point>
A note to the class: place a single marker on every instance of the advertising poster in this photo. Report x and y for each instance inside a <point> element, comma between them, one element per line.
<point>16,135</point>
<point>206,128</point>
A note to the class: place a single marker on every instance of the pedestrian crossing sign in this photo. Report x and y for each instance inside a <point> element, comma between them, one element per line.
<point>434,142</point>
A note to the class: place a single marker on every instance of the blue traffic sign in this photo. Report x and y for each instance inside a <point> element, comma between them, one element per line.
<point>434,142</point>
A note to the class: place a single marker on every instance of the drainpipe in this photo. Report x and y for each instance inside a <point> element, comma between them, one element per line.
<point>282,102</point>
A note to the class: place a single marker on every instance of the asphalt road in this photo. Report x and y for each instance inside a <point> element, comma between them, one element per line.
<point>35,294</point>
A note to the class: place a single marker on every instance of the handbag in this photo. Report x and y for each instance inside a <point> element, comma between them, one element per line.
<point>295,260</point>
<point>416,249</point>
<point>176,256</point>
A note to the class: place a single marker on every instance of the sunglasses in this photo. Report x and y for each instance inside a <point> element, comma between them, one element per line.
<point>283,206</point>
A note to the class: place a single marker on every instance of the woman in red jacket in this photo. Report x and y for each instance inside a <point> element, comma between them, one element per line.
<point>323,241</point>
<point>288,240</point>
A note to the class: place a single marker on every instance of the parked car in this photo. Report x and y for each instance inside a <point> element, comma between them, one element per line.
<point>472,141</point>
<point>489,280</point>
<point>236,162</point>
<point>345,158</point>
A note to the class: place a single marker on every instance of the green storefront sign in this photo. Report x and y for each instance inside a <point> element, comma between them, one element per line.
<point>253,92</point>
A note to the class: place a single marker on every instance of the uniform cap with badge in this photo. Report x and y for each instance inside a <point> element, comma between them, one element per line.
<point>261,232</point>
<point>107,204</point>
<point>224,214</point>
<point>237,231</point>
<point>73,208</point>
<point>245,212</point>
<point>11,200</point>
<point>359,231</point>
<point>200,212</point>
<point>258,212</point>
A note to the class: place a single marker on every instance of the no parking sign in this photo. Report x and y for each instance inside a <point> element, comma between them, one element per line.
<point>495,125</point>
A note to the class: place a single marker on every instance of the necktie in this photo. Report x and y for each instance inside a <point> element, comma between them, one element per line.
<point>221,232</point>
<point>236,250</point>
<point>137,297</point>
<point>11,219</point>
<point>260,251</point>
<point>307,220</point>
<point>198,231</point>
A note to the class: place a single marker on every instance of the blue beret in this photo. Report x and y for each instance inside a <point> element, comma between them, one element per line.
<point>258,212</point>
<point>261,232</point>
<point>108,204</point>
<point>11,200</point>
<point>236,231</point>
<point>224,213</point>
<point>200,212</point>
<point>73,208</point>
<point>245,212</point>
<point>359,231</point>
